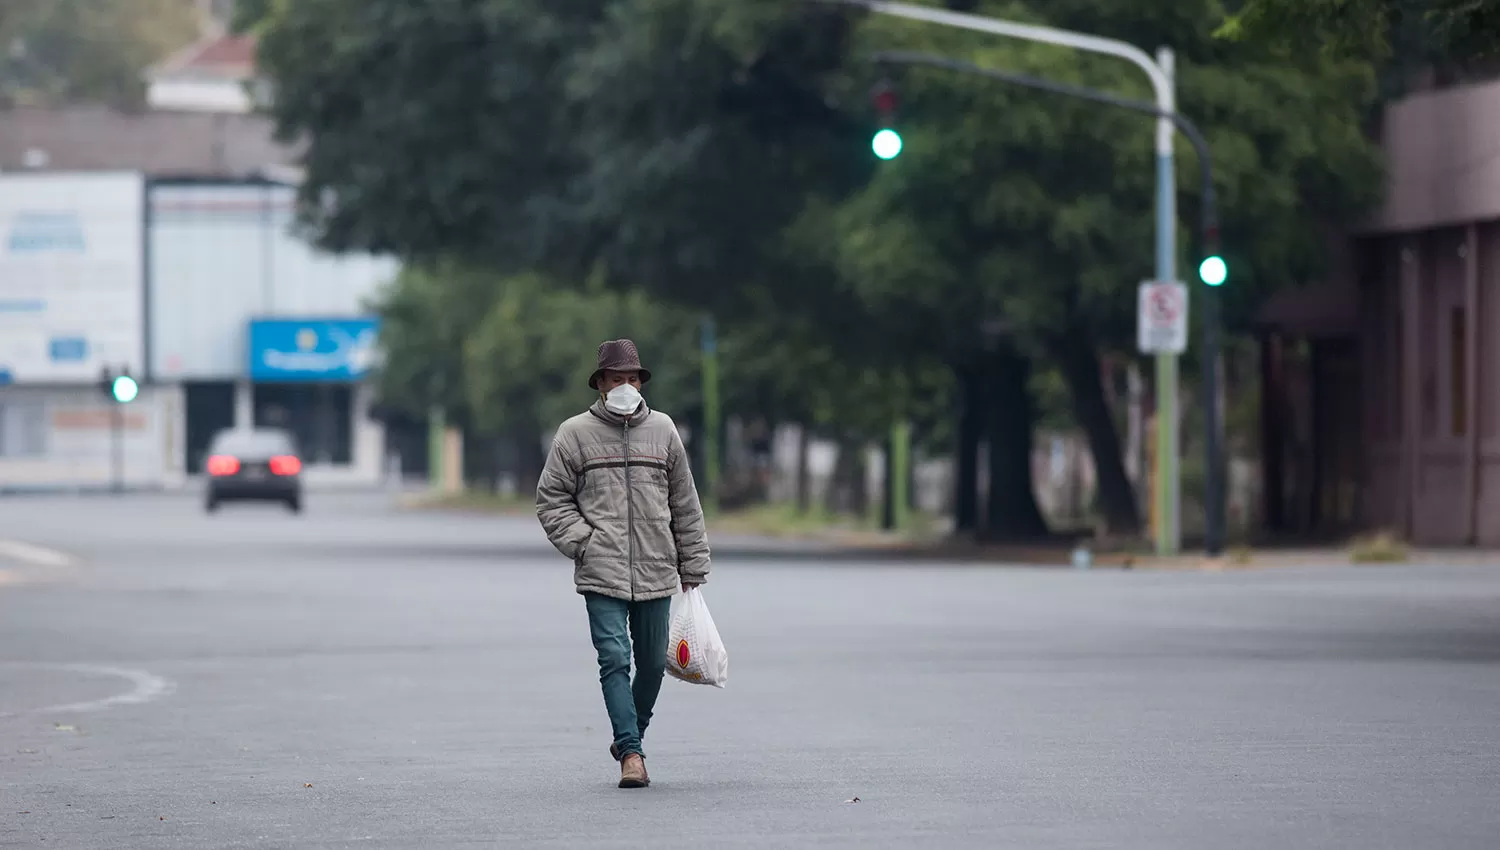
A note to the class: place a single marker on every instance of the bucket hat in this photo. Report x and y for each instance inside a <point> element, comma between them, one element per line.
<point>618,355</point>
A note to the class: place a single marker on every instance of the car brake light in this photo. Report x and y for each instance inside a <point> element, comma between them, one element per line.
<point>285,465</point>
<point>223,465</point>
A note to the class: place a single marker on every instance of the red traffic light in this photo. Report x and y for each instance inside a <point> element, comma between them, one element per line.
<point>885,99</point>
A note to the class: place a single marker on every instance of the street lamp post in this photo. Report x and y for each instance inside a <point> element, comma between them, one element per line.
<point>1160,71</point>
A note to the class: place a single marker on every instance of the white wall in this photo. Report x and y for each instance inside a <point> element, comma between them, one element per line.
<point>198,95</point>
<point>60,438</point>
<point>71,291</point>
<point>222,254</point>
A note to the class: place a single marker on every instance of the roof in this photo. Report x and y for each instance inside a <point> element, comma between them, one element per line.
<point>160,143</point>
<point>218,56</point>
<point>1443,159</point>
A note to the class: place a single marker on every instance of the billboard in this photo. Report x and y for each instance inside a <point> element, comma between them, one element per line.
<point>71,276</point>
<point>294,350</point>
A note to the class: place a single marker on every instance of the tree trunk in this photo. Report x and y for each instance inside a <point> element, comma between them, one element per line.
<point>804,474</point>
<point>971,417</point>
<point>530,458</point>
<point>1135,429</point>
<point>839,498</point>
<point>1080,365</point>
<point>888,500</point>
<point>859,481</point>
<point>1012,512</point>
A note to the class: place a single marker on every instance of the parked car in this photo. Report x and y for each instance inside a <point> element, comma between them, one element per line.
<point>255,465</point>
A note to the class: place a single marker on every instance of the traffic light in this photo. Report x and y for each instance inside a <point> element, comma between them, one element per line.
<point>1213,270</point>
<point>887,142</point>
<point>125,389</point>
<point>121,388</point>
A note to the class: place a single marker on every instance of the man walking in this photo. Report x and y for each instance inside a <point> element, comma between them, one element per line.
<point>617,497</point>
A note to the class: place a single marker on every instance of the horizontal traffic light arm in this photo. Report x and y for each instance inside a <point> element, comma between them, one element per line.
<point>1210,214</point>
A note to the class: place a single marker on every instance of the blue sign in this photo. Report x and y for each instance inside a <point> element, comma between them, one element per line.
<point>312,349</point>
<point>69,349</point>
<point>5,377</point>
<point>40,232</point>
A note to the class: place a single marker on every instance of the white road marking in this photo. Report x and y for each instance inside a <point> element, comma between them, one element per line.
<point>35,555</point>
<point>147,688</point>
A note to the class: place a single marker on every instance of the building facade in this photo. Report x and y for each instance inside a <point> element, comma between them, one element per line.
<point>200,290</point>
<point>72,303</point>
<point>1382,400</point>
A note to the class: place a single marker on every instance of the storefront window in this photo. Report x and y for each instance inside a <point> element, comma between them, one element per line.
<point>319,417</point>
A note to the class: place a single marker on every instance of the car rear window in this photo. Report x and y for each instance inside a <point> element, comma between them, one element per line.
<point>253,443</point>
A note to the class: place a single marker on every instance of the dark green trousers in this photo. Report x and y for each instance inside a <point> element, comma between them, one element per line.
<point>620,629</point>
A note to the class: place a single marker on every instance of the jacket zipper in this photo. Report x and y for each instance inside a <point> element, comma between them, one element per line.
<point>629,515</point>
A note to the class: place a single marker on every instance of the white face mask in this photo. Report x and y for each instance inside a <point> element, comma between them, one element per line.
<point>623,399</point>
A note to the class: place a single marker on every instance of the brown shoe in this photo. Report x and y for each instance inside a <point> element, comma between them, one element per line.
<point>633,772</point>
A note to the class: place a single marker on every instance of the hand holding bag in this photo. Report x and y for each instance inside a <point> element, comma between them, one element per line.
<point>695,652</point>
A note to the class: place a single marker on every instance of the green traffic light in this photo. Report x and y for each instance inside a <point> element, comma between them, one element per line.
<point>125,389</point>
<point>886,144</point>
<point>1213,271</point>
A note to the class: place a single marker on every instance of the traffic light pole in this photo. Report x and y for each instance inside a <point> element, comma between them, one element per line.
<point>117,447</point>
<point>1160,72</point>
<point>1209,234</point>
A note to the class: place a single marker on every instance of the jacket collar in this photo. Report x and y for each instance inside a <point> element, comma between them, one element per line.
<point>613,418</point>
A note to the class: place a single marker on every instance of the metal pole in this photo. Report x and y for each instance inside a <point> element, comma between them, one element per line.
<point>900,474</point>
<point>1160,72</point>
<point>1213,451</point>
<point>1168,480</point>
<point>117,447</point>
<point>1209,230</point>
<point>1161,81</point>
<point>437,429</point>
<point>711,413</point>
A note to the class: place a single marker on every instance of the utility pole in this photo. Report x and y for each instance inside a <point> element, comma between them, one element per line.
<point>1160,71</point>
<point>120,390</point>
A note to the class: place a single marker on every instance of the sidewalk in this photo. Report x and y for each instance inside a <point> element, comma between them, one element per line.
<point>731,533</point>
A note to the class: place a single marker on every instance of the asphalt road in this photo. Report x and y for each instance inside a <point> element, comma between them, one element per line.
<point>363,676</point>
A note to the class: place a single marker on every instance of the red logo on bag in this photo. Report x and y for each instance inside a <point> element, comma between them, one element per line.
<point>683,655</point>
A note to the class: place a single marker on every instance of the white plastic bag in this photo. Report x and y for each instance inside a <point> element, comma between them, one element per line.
<point>695,652</point>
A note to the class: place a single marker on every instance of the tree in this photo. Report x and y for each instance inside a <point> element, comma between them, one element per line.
<point>1458,29</point>
<point>526,361</point>
<point>62,51</point>
<point>712,155</point>
<point>428,315</point>
<point>663,144</point>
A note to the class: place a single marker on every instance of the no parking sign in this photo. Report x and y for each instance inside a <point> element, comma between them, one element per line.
<point>1161,318</point>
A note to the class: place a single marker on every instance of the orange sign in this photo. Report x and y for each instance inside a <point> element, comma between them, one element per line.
<point>93,420</point>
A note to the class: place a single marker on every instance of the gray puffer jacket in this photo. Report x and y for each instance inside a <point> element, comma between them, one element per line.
<point>617,497</point>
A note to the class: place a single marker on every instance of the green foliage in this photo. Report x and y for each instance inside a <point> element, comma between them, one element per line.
<point>528,361</point>
<point>1037,210</point>
<point>622,166</point>
<point>1459,29</point>
<point>63,51</point>
<point>428,314</point>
